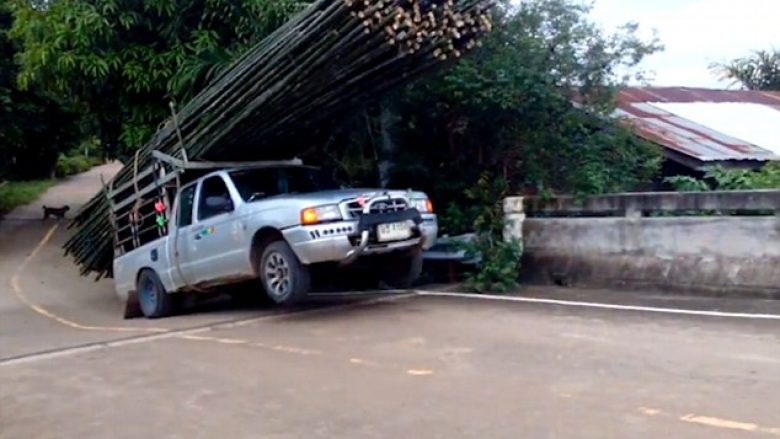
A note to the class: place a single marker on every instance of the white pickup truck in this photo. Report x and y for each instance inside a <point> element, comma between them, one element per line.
<point>273,223</point>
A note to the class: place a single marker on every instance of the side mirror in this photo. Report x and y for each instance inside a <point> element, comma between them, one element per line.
<point>219,204</point>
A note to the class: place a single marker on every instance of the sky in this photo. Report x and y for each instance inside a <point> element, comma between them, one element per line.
<point>696,33</point>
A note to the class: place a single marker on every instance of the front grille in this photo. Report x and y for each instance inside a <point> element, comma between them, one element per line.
<point>385,206</point>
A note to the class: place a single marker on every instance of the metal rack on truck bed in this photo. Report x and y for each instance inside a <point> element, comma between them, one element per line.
<point>141,208</point>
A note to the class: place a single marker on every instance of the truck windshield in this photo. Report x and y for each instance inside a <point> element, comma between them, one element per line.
<point>303,180</point>
<point>255,184</point>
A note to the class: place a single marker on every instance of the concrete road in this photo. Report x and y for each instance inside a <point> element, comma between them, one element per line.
<point>416,367</point>
<point>411,366</point>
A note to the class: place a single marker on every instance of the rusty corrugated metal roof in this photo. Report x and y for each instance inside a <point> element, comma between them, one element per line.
<point>666,116</point>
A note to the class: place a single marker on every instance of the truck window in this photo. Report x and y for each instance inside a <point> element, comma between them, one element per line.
<point>213,188</point>
<point>256,184</point>
<point>186,200</point>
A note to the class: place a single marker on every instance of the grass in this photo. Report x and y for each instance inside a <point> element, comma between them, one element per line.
<point>18,193</point>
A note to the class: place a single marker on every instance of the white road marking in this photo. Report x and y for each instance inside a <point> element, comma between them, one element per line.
<point>713,422</point>
<point>572,303</point>
<point>419,372</point>
<point>719,423</point>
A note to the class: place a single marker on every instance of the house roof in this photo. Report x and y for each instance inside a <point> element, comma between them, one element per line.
<point>706,125</point>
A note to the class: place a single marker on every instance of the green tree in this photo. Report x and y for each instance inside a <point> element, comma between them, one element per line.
<point>124,60</point>
<point>760,71</point>
<point>34,126</point>
<point>532,106</point>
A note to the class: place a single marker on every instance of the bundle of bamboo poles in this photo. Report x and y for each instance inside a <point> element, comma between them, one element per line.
<point>333,55</point>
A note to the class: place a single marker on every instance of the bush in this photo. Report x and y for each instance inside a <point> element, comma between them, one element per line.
<point>500,260</point>
<point>722,179</point>
<point>71,165</point>
<point>19,193</point>
<point>456,220</point>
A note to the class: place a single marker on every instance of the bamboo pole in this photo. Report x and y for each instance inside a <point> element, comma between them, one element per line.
<point>334,54</point>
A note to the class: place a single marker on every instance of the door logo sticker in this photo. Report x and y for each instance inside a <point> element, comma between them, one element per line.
<point>207,231</point>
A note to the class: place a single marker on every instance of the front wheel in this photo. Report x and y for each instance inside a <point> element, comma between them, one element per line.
<point>285,279</point>
<point>403,271</point>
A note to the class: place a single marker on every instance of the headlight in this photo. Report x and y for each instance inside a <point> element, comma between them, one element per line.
<point>320,214</point>
<point>423,205</point>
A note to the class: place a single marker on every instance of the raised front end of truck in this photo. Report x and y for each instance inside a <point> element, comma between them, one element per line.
<point>370,224</point>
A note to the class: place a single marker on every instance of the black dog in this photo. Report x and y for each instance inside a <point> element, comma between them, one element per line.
<point>56,212</point>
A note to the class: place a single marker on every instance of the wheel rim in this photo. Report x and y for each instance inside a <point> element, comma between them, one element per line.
<point>147,296</point>
<point>278,279</point>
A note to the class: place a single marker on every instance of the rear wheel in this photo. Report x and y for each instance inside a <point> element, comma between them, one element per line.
<point>402,271</point>
<point>153,300</point>
<point>285,279</point>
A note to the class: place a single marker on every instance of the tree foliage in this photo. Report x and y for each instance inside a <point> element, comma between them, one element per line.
<point>123,60</point>
<point>723,179</point>
<point>760,71</point>
<point>35,127</point>
<point>532,106</point>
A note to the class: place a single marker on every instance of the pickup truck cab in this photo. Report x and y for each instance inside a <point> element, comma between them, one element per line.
<point>274,224</point>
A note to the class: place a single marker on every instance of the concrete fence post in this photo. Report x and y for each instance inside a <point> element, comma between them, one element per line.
<point>514,216</point>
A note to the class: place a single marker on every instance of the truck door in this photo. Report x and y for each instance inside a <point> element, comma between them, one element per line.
<point>182,250</point>
<point>215,238</point>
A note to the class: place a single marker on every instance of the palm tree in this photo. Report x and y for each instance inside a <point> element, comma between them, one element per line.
<point>760,71</point>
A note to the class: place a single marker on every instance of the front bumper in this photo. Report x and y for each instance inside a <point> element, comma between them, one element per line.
<point>345,241</point>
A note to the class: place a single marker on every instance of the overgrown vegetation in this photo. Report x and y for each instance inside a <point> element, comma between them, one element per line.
<point>722,179</point>
<point>499,259</point>
<point>18,193</point>
<point>74,164</point>
<point>508,108</point>
<point>122,61</point>
<point>35,126</point>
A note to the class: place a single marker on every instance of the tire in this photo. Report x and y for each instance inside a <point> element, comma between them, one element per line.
<point>153,300</point>
<point>402,271</point>
<point>285,280</point>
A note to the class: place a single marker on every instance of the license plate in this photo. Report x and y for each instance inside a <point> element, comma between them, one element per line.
<point>393,232</point>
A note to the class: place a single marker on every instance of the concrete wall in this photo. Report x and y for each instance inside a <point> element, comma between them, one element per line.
<point>719,255</point>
